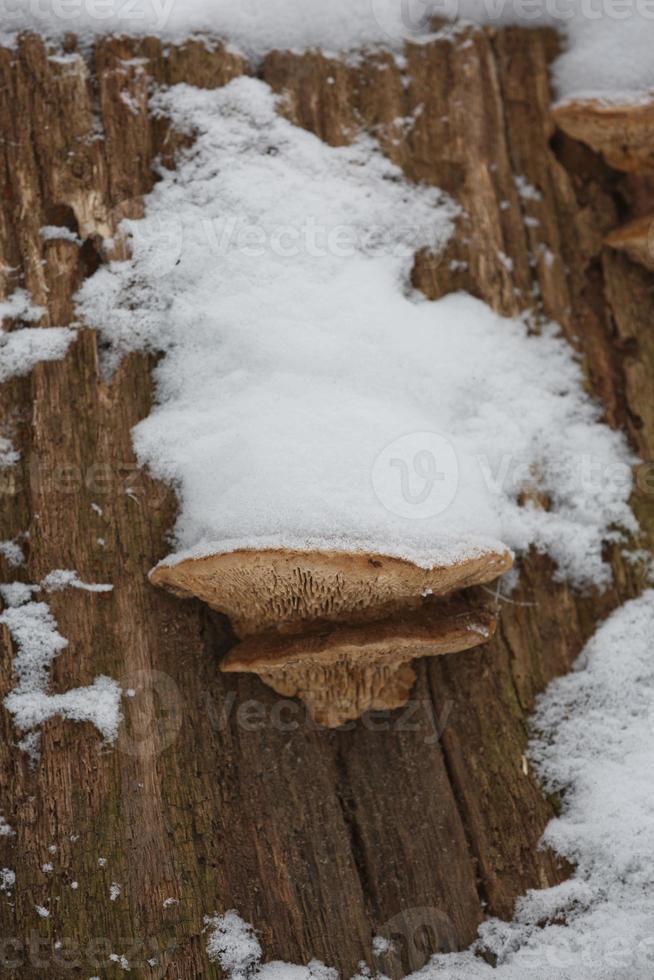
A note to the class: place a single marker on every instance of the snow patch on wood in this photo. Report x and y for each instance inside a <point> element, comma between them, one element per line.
<point>37,641</point>
<point>308,400</point>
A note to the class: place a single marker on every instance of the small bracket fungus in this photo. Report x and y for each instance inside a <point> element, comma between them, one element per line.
<point>340,630</point>
<point>636,240</point>
<point>623,134</point>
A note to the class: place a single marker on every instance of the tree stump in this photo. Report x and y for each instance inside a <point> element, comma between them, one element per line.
<point>219,793</point>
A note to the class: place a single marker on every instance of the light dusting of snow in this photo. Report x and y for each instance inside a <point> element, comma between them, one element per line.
<point>232,943</point>
<point>304,386</point>
<point>30,744</point>
<point>19,306</point>
<point>12,552</point>
<point>17,593</point>
<point>64,578</point>
<point>114,891</point>
<point>121,959</point>
<point>8,455</point>
<point>42,911</point>
<point>21,349</point>
<point>5,829</point>
<point>37,642</point>
<point>59,233</point>
<point>526,190</point>
<point>7,879</point>
<point>128,100</point>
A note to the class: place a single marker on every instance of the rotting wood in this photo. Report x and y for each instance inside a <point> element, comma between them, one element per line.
<point>219,794</point>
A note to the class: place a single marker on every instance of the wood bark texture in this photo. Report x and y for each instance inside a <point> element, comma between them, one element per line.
<point>418,823</point>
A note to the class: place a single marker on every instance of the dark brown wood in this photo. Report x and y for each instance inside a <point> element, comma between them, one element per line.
<point>218,793</point>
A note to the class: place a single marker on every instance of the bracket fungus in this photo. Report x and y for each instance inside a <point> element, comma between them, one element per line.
<point>636,240</point>
<point>339,630</point>
<point>622,133</point>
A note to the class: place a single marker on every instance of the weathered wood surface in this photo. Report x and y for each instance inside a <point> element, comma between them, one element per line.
<point>218,793</point>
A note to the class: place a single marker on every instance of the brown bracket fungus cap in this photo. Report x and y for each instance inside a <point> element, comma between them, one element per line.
<point>636,240</point>
<point>340,630</point>
<point>623,134</point>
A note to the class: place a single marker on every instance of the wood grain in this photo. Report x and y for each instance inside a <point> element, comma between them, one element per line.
<point>219,794</point>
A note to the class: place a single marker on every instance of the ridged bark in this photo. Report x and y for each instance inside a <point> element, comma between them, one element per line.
<point>420,825</point>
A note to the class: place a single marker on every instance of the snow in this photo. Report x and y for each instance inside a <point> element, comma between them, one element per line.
<point>21,349</point>
<point>38,642</point>
<point>51,233</point>
<point>19,306</point>
<point>5,829</point>
<point>607,43</point>
<point>64,578</point>
<point>595,745</point>
<point>12,552</point>
<point>8,455</point>
<point>233,944</point>
<point>307,398</point>
<point>7,879</point>
<point>114,891</point>
<point>526,190</point>
<point>17,593</point>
